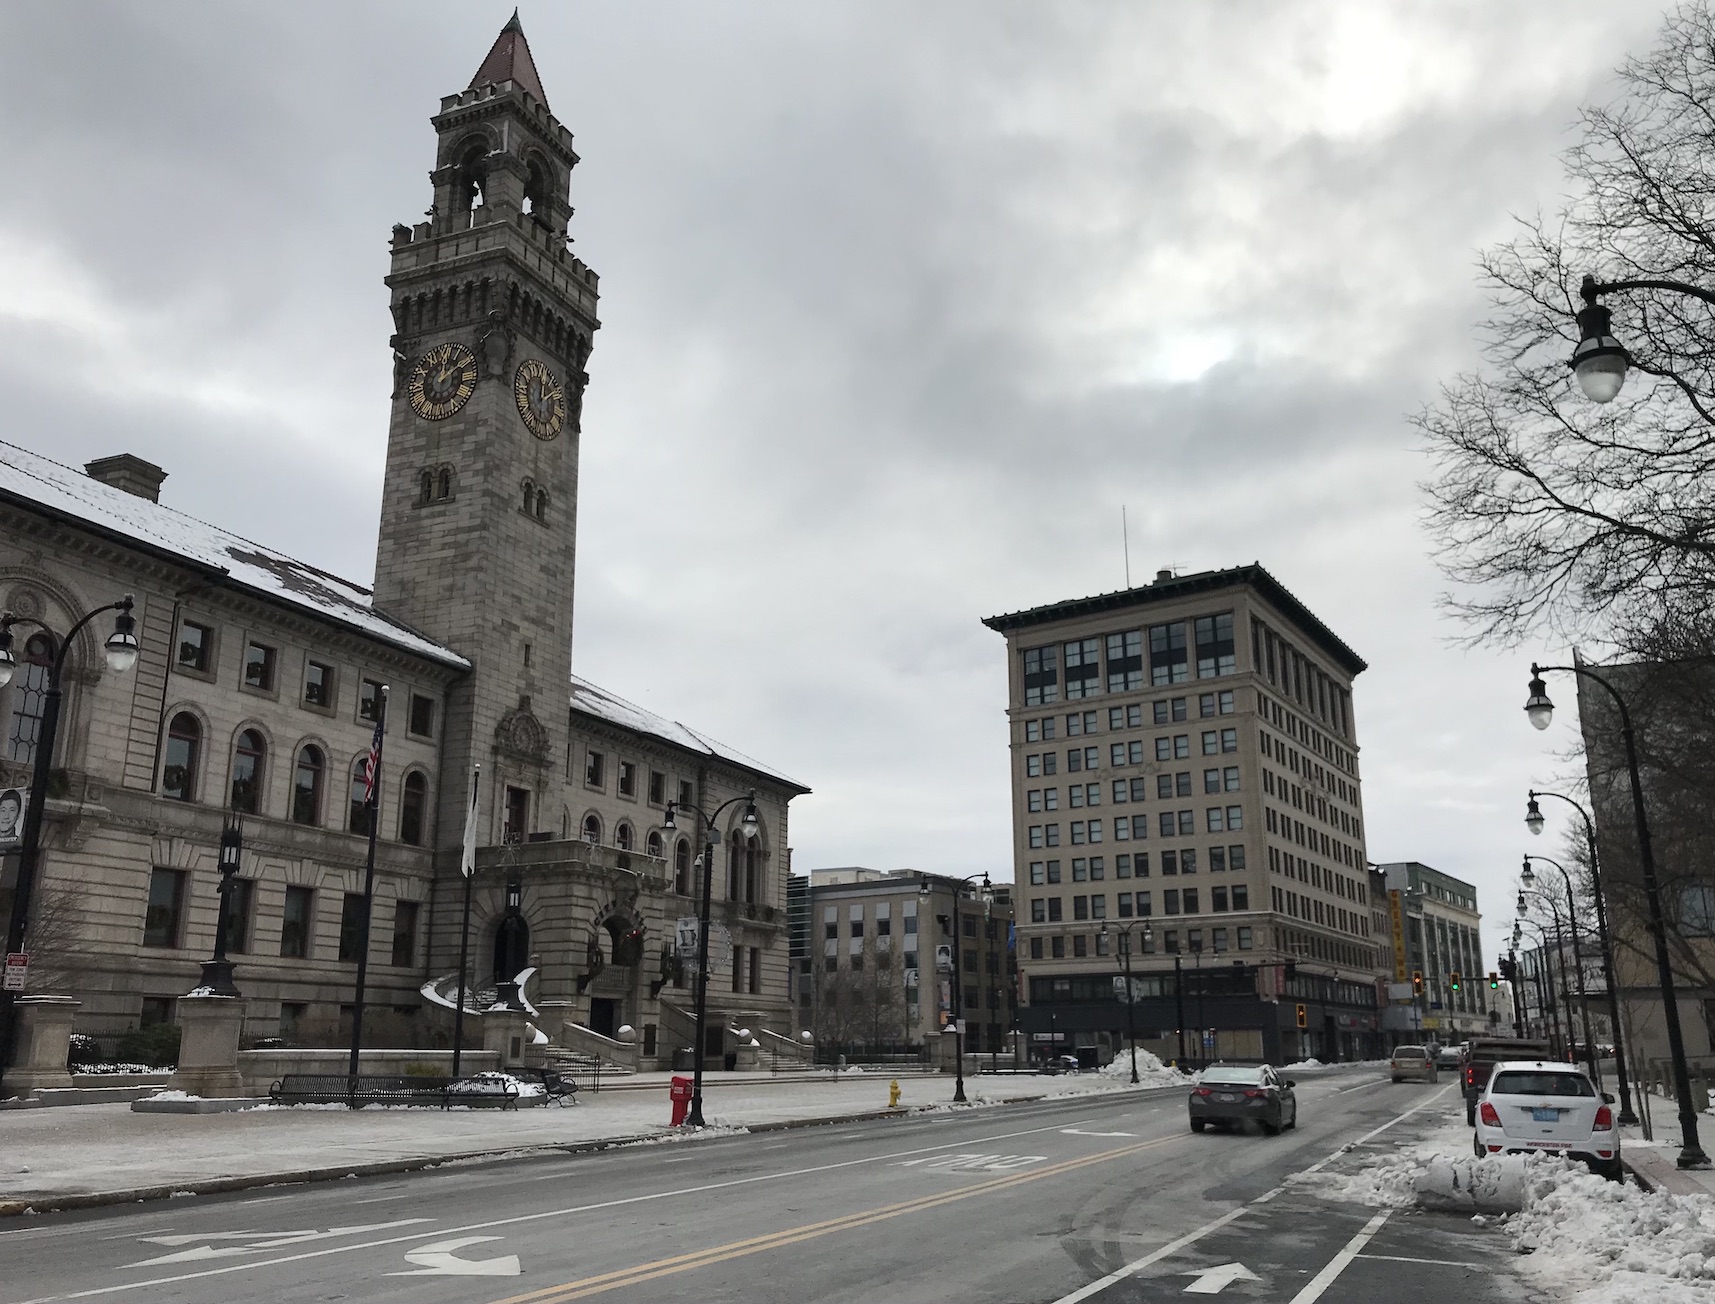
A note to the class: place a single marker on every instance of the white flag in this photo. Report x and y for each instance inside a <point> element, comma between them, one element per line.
<point>469,864</point>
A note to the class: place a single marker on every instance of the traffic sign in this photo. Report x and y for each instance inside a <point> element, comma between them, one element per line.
<point>17,971</point>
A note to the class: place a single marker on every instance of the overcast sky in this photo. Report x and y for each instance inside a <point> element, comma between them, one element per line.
<point>900,304</point>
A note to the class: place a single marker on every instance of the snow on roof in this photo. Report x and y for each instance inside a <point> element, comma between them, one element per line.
<point>62,491</point>
<point>586,697</point>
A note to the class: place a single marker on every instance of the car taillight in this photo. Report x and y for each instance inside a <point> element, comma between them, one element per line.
<point>1255,1093</point>
<point>1202,1091</point>
<point>1604,1119</point>
<point>1471,1076</point>
<point>1487,1113</point>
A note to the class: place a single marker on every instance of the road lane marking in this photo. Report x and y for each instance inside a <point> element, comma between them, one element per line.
<point>1072,1131</point>
<point>1321,1281</point>
<point>1166,1251</point>
<point>1434,1263</point>
<point>637,1274</point>
<point>965,1162</point>
<point>1360,1086</point>
<point>1212,1281</point>
<point>441,1260</point>
<point>260,1242</point>
<point>599,1206</point>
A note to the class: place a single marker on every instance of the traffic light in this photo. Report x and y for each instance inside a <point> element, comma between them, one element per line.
<point>1494,981</point>
<point>1453,981</point>
<point>1303,1017</point>
<point>1417,982</point>
<point>1509,968</point>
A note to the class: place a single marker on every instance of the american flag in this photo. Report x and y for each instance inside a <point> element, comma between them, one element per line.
<point>372,768</point>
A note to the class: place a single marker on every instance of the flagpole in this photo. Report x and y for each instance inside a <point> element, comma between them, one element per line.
<point>368,890</point>
<point>467,867</point>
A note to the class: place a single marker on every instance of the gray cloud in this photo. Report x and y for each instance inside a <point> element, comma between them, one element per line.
<point>901,304</point>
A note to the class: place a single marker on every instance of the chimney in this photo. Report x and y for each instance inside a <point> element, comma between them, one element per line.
<point>129,472</point>
<point>1163,575</point>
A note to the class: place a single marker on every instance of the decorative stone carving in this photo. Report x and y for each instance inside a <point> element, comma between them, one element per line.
<point>26,603</point>
<point>494,347</point>
<point>520,734</point>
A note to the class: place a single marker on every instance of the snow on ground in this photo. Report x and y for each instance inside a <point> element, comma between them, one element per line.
<point>1151,1072</point>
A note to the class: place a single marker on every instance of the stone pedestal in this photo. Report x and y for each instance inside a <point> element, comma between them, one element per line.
<point>503,1031</point>
<point>43,1041</point>
<point>749,1056</point>
<point>208,1046</point>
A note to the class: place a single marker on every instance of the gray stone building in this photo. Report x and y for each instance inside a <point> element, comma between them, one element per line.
<point>260,677</point>
<point>1438,942</point>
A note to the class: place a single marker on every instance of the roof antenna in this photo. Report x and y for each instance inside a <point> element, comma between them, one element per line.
<point>1125,538</point>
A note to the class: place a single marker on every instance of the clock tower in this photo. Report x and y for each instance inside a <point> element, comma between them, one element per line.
<point>494,320</point>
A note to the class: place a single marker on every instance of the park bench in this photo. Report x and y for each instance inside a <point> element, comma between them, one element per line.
<point>559,1089</point>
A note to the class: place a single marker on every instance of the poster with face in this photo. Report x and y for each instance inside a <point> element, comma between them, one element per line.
<point>11,817</point>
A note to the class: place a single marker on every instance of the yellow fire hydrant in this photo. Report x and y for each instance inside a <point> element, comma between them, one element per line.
<point>893,1094</point>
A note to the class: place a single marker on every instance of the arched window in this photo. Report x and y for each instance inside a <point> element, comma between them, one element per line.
<point>411,806</point>
<point>682,867</point>
<point>473,174</point>
<point>426,488</point>
<point>179,772</point>
<point>529,496</point>
<point>444,487</point>
<point>752,866</point>
<point>541,504</point>
<point>357,816</point>
<point>29,696</point>
<point>307,786</point>
<point>247,772</point>
<point>536,192</point>
<point>622,837</point>
<point>592,830</point>
<point>655,846</point>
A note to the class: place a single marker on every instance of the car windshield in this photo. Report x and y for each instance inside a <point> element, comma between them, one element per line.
<point>1541,1083</point>
<point>1410,1052</point>
<point>1249,1077</point>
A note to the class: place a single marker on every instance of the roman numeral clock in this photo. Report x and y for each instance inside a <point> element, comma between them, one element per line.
<point>445,377</point>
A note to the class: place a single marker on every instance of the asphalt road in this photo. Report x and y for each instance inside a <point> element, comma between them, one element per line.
<point>1110,1199</point>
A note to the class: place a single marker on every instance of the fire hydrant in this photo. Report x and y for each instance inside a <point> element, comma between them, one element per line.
<point>893,1094</point>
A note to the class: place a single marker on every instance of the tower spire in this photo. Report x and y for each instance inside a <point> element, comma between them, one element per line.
<point>509,60</point>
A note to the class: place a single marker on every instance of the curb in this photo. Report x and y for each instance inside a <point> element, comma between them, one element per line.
<point>12,1206</point>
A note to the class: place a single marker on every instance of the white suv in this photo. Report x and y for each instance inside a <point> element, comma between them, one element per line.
<point>1546,1106</point>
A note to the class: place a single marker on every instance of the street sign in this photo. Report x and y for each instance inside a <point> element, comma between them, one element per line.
<point>1208,1039</point>
<point>17,971</point>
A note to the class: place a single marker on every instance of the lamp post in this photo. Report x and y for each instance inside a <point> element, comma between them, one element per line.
<point>1533,821</point>
<point>1546,971</point>
<point>1599,361</point>
<point>1513,986</point>
<point>121,653</point>
<point>926,889</point>
<point>1130,1022</point>
<point>1544,978</point>
<point>1197,951</point>
<point>217,972</point>
<point>1529,880</point>
<point>711,838</point>
<point>1540,712</point>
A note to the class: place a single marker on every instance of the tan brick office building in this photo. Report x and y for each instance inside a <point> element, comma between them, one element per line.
<point>1184,757</point>
<point>259,676</point>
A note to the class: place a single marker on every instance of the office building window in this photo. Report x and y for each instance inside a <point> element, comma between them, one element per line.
<point>404,933</point>
<point>1083,668</point>
<point>1188,860</point>
<point>1217,819</point>
<point>1038,910</point>
<point>1058,949</point>
<point>1218,899</point>
<point>259,667</point>
<point>1244,938</point>
<point>1235,819</point>
<point>1036,874</point>
<point>295,923</point>
<point>369,700</point>
<point>1122,906</point>
<point>1036,948</point>
<point>1211,781</point>
<point>318,685</point>
<point>421,721</point>
<point>1141,905</point>
<point>1054,910</point>
<point>164,915</point>
<point>1122,866</point>
<point>1080,907</point>
<point>1189,898</point>
<point>1170,901</point>
<point>179,770</point>
<point>1125,661</point>
<point>351,926</point>
<point>1053,871</point>
<point>1215,653</point>
<point>1041,676</point>
<point>1241,897</point>
<point>1167,655</point>
<point>1080,946</point>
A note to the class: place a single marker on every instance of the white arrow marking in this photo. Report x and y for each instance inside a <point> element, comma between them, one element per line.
<point>258,1241</point>
<point>441,1260</point>
<point>1073,1131</point>
<point>1211,1281</point>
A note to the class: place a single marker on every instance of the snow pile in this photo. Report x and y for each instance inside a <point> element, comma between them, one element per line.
<point>496,1084</point>
<point>1311,1063</point>
<point>112,1067</point>
<point>174,1095</point>
<point>1151,1072</point>
<point>1626,1243</point>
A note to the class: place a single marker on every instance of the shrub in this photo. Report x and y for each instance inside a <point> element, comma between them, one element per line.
<point>156,1045</point>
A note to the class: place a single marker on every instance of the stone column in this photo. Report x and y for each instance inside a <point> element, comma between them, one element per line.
<point>208,1046</point>
<point>43,1041</point>
<point>503,1031</point>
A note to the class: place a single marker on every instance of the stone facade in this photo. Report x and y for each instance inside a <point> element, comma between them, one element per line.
<point>258,677</point>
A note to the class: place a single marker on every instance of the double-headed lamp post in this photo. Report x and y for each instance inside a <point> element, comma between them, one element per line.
<point>711,838</point>
<point>1528,878</point>
<point>927,889</point>
<point>1540,711</point>
<point>121,653</point>
<point>1130,1022</point>
<point>1534,822</point>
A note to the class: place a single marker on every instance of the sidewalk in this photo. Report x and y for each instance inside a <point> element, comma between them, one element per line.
<point>103,1154</point>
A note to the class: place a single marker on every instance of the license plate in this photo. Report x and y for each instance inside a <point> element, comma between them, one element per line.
<point>1545,1115</point>
<point>1225,1096</point>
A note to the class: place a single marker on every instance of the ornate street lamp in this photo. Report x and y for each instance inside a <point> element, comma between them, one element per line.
<point>1130,1023</point>
<point>1599,361</point>
<point>217,972</point>
<point>121,654</point>
<point>748,826</point>
<point>1541,710</point>
<point>926,889</point>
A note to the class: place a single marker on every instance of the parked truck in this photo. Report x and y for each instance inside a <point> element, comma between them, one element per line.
<point>1481,1056</point>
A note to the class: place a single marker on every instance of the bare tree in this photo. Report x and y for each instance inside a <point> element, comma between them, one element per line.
<point>56,932</point>
<point>864,1007</point>
<point>1548,511</point>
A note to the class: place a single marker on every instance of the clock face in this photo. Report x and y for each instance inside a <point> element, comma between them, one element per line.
<point>442,381</point>
<point>541,400</point>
